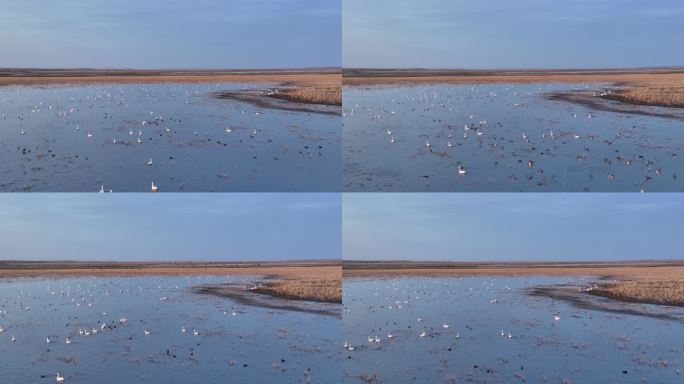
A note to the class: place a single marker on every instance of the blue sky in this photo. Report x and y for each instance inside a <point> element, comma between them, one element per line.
<point>513,34</point>
<point>170,33</point>
<point>183,226</point>
<point>513,227</point>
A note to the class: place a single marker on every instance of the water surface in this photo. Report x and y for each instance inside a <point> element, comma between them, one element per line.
<point>245,344</point>
<point>582,346</point>
<point>68,138</point>
<point>506,137</point>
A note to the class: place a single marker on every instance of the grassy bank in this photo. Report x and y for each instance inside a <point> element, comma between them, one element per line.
<point>327,290</point>
<point>325,94</point>
<point>664,292</point>
<point>664,93</point>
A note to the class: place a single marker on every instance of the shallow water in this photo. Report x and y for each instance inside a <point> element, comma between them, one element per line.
<point>584,346</point>
<point>255,345</point>
<point>184,135</point>
<point>612,151</point>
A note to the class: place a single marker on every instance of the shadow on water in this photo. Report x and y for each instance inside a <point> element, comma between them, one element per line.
<point>262,100</point>
<point>573,296</point>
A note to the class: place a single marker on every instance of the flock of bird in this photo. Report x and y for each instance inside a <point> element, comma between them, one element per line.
<point>531,139</point>
<point>380,316</point>
<point>91,311</point>
<point>44,138</point>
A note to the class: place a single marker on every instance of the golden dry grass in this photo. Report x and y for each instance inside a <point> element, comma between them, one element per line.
<point>663,92</point>
<point>313,94</point>
<point>662,291</point>
<point>327,290</point>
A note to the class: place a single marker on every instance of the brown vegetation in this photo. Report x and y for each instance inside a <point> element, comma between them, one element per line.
<point>326,290</point>
<point>326,94</point>
<point>667,92</point>
<point>661,291</point>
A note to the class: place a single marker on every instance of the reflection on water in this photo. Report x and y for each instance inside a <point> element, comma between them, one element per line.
<point>106,320</point>
<point>83,138</point>
<point>489,330</point>
<point>502,137</point>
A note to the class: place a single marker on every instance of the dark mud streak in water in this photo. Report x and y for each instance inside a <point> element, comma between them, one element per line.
<point>237,293</point>
<point>587,99</point>
<point>572,296</point>
<point>261,100</point>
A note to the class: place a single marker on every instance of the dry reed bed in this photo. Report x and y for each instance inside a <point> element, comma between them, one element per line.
<point>665,93</point>
<point>312,94</point>
<point>664,292</point>
<point>327,290</point>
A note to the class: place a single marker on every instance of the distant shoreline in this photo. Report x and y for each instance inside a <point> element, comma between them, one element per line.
<point>32,76</point>
<point>298,87</point>
<point>315,280</point>
<point>444,268</point>
<point>649,282</point>
<point>16,268</point>
<point>371,76</point>
<point>660,87</point>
